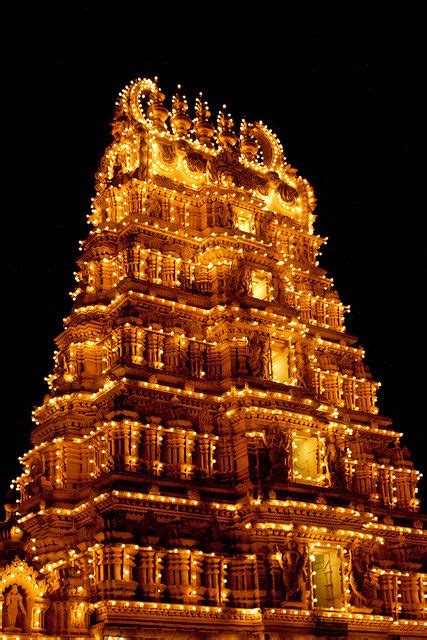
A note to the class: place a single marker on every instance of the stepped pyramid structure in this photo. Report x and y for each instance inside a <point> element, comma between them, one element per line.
<point>209,461</point>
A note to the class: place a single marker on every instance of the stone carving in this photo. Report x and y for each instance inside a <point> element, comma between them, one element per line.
<point>304,377</point>
<point>335,454</point>
<point>361,582</point>
<point>292,561</point>
<point>167,153</point>
<point>241,282</point>
<point>14,603</point>
<point>258,358</point>
<point>279,446</point>
<point>226,215</point>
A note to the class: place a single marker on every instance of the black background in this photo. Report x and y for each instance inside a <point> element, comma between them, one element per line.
<point>342,91</point>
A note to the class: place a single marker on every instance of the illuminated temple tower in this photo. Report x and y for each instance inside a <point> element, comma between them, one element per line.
<point>209,461</point>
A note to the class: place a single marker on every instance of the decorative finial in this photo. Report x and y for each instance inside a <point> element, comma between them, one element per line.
<point>156,110</point>
<point>203,127</point>
<point>249,145</point>
<point>226,135</point>
<point>181,122</point>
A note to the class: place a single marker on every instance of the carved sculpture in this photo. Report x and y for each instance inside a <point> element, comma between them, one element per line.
<point>14,604</point>
<point>292,561</point>
<point>279,446</point>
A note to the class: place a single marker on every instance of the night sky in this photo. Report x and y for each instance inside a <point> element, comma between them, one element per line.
<point>342,91</point>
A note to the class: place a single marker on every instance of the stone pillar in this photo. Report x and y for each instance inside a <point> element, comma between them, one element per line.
<point>388,593</point>
<point>154,264</point>
<point>178,575</point>
<point>154,350</point>
<point>305,307</point>
<point>244,583</point>
<point>215,580</point>
<point>179,450</point>
<point>225,457</point>
<point>149,574</point>
<point>331,385</point>
<point>275,581</point>
<point>151,450</point>
<point>134,261</point>
<point>114,571</point>
<point>411,592</point>
<point>366,396</point>
<point>168,274</point>
<point>213,363</point>
<point>334,316</point>
<point>385,486</point>
<point>171,353</point>
<point>349,393</point>
<point>363,481</point>
<point>206,445</point>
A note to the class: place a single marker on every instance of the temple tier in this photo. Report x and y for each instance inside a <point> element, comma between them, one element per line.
<point>209,460</point>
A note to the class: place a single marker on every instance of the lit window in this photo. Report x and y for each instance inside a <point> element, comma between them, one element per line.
<point>261,285</point>
<point>327,578</point>
<point>306,459</point>
<point>279,362</point>
<point>245,221</point>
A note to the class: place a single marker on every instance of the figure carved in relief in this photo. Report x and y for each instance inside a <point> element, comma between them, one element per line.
<point>154,209</point>
<point>303,369</point>
<point>335,453</point>
<point>279,446</point>
<point>361,562</point>
<point>226,215</point>
<point>14,603</point>
<point>242,282</point>
<point>292,562</point>
<point>258,358</point>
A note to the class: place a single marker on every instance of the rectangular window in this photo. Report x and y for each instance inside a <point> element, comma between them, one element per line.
<point>261,285</point>
<point>306,458</point>
<point>245,221</point>
<point>327,578</point>
<point>280,362</point>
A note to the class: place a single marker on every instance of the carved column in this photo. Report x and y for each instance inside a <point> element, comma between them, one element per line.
<point>206,445</point>
<point>155,349</point>
<point>366,396</point>
<point>349,393</point>
<point>168,274</point>
<point>149,573</point>
<point>114,571</point>
<point>332,391</point>
<point>244,583</point>
<point>363,481</point>
<point>388,593</point>
<point>275,581</point>
<point>305,307</point>
<point>411,592</point>
<point>178,575</point>
<point>225,457</point>
<point>151,450</point>
<point>179,449</point>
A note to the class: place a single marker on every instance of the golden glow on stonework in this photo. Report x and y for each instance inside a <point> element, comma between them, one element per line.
<point>210,454</point>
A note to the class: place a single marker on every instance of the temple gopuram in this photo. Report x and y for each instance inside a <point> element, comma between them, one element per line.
<point>209,461</point>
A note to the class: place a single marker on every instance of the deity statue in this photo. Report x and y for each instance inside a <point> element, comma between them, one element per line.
<point>14,604</point>
<point>258,358</point>
<point>303,370</point>
<point>361,562</point>
<point>279,445</point>
<point>335,453</point>
<point>226,216</point>
<point>292,562</point>
<point>241,283</point>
